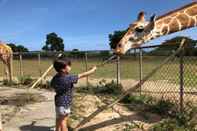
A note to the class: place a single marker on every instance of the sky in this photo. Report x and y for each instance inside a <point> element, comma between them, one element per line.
<point>83,24</point>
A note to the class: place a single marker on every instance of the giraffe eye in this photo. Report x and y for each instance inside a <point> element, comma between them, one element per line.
<point>119,45</point>
<point>139,29</point>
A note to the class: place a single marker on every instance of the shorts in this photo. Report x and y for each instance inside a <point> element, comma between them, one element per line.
<point>62,111</point>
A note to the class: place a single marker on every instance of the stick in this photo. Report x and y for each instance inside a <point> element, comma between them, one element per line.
<point>133,88</point>
<point>44,74</point>
<point>106,61</point>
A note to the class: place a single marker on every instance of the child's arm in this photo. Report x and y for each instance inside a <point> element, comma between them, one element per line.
<point>85,74</point>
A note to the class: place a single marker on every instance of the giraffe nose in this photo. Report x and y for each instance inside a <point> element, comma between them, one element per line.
<point>117,51</point>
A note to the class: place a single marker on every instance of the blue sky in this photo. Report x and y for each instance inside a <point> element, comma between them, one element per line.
<point>83,24</point>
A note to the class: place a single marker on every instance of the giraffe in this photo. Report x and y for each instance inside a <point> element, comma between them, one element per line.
<point>142,31</point>
<point>6,57</point>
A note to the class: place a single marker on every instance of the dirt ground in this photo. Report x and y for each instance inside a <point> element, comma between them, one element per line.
<point>40,115</point>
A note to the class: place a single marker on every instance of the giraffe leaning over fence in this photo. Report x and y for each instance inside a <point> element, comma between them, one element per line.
<point>6,57</point>
<point>142,31</point>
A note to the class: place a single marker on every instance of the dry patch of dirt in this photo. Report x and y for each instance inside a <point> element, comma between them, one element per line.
<point>35,111</point>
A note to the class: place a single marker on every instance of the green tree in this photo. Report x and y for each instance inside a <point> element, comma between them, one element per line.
<point>53,43</point>
<point>13,46</point>
<point>115,37</point>
<point>21,48</point>
<point>174,43</point>
<point>18,48</point>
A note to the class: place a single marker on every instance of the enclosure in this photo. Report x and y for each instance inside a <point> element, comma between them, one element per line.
<point>175,81</point>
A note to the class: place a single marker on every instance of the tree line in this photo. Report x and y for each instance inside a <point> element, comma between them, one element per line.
<point>55,43</point>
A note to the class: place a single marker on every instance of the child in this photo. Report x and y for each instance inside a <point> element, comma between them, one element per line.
<point>63,82</point>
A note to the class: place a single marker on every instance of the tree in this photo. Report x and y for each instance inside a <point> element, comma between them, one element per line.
<point>174,43</point>
<point>13,46</point>
<point>18,48</point>
<point>115,37</point>
<point>21,48</point>
<point>53,43</point>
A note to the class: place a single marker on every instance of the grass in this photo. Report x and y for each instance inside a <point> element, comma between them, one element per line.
<point>129,68</point>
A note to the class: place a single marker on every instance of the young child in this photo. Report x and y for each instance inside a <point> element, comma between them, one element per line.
<point>63,82</point>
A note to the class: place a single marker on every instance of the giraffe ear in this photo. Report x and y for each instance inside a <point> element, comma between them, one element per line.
<point>151,24</point>
<point>141,16</point>
<point>153,18</point>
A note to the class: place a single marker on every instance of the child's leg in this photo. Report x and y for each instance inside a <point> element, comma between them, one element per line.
<point>0,123</point>
<point>61,118</point>
<point>57,125</point>
<point>61,123</point>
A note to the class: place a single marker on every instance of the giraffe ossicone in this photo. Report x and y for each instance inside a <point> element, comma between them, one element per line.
<point>142,30</point>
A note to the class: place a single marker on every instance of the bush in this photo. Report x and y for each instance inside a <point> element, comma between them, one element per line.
<point>45,85</point>
<point>179,121</point>
<point>25,80</point>
<point>103,87</point>
<point>108,88</point>
<point>6,82</point>
<point>161,107</point>
<point>137,99</point>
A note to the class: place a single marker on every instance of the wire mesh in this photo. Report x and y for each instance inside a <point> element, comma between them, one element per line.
<point>164,84</point>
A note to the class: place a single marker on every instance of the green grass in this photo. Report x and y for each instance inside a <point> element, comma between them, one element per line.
<point>129,68</point>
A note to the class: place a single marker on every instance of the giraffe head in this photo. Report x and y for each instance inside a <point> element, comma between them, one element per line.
<point>138,32</point>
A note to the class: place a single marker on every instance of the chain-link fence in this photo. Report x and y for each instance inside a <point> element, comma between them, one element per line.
<point>175,81</point>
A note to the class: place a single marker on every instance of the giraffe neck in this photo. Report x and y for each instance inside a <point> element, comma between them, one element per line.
<point>177,20</point>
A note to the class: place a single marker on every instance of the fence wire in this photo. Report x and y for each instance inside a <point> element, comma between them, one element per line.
<point>165,84</point>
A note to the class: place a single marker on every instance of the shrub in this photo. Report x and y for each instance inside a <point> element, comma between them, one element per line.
<point>137,99</point>
<point>179,121</point>
<point>108,88</point>
<point>161,107</point>
<point>25,80</point>
<point>6,82</point>
<point>45,85</point>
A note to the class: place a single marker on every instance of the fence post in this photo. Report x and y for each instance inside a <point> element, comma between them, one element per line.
<point>86,64</point>
<point>118,70</point>
<point>39,68</point>
<point>135,56</point>
<point>181,79</point>
<point>140,69</point>
<point>21,64</point>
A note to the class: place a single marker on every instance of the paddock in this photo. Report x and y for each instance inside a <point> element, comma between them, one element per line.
<point>175,81</point>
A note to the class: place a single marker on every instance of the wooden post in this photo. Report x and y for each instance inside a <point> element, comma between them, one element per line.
<point>140,68</point>
<point>10,68</point>
<point>135,56</point>
<point>118,70</point>
<point>86,64</point>
<point>39,65</point>
<point>21,64</point>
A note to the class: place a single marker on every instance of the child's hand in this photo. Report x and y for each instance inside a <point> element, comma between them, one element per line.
<point>93,69</point>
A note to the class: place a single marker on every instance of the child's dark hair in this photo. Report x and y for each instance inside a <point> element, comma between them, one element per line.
<point>60,64</point>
